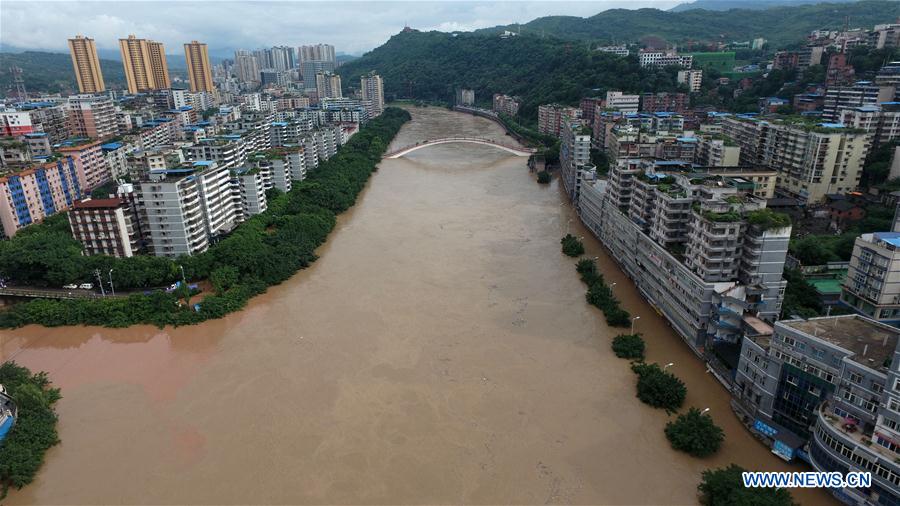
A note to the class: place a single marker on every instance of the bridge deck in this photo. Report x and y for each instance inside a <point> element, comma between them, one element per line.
<point>517,150</point>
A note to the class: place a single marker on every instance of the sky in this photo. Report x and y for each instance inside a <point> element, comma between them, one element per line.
<point>352,27</point>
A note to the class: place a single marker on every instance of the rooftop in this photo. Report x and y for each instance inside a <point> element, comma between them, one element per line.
<point>870,343</point>
<point>98,204</point>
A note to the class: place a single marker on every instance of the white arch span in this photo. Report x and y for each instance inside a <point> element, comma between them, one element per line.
<point>448,140</point>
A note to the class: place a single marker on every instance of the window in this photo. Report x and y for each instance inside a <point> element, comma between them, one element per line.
<point>855,378</point>
<point>791,379</point>
<point>849,396</point>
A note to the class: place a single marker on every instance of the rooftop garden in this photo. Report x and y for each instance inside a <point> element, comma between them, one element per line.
<point>767,219</point>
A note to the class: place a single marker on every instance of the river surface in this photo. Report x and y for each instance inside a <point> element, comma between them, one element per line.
<point>439,351</point>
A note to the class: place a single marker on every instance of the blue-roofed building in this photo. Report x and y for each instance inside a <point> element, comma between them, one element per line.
<point>7,414</point>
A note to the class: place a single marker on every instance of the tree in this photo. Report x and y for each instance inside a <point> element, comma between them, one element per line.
<point>695,433</point>
<point>725,487</point>
<point>223,278</point>
<point>22,451</point>
<point>572,246</point>
<point>543,177</point>
<point>629,346</point>
<point>659,388</point>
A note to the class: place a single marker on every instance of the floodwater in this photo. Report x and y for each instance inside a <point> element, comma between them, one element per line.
<point>439,351</point>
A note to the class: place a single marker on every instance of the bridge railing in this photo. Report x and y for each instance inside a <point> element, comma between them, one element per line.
<point>452,139</point>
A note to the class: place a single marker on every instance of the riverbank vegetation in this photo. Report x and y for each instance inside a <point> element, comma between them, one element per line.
<point>725,487</point>
<point>600,295</point>
<point>659,388</point>
<point>630,346</point>
<point>22,451</point>
<point>695,433</point>
<point>263,251</point>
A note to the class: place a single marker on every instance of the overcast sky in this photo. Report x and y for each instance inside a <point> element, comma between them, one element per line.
<point>352,27</point>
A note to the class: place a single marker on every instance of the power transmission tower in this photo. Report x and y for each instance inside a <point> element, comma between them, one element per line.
<point>19,82</point>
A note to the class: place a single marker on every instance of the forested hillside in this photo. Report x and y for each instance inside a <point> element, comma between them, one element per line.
<point>51,72</point>
<point>431,65</point>
<point>780,25</point>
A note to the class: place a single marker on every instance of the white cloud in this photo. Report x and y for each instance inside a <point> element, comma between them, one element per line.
<point>352,27</point>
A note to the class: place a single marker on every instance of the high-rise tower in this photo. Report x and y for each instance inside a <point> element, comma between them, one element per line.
<point>86,65</point>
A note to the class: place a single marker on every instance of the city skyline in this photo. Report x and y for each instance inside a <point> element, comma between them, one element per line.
<point>297,23</point>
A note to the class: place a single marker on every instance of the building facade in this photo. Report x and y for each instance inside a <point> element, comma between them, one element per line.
<point>145,64</point>
<point>196,55</point>
<point>86,65</point>
<point>105,227</point>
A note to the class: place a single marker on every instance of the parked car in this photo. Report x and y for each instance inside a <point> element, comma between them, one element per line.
<point>86,286</point>
<point>70,286</point>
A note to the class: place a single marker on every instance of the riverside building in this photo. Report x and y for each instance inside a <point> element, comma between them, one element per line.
<point>700,247</point>
<point>827,390</point>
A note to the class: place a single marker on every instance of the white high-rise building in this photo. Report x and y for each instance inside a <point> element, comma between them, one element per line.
<point>372,88</point>
<point>328,85</point>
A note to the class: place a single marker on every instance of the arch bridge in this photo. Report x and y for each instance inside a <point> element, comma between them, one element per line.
<point>516,150</point>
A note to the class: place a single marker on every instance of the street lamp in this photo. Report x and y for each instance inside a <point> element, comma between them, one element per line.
<point>670,364</point>
<point>112,289</point>
<point>632,323</point>
<point>183,278</point>
<point>611,287</point>
<point>704,411</point>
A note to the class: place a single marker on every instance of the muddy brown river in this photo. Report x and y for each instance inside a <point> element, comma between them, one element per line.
<point>439,351</point>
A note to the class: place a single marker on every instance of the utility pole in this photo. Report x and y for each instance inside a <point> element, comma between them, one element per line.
<point>16,71</point>
<point>100,282</point>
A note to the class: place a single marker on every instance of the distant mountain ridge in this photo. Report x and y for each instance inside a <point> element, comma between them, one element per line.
<point>780,25</point>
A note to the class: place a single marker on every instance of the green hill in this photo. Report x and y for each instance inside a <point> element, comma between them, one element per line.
<point>780,25</point>
<point>52,72</point>
<point>431,65</point>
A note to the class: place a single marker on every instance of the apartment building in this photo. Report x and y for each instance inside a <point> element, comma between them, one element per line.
<point>574,155</point>
<point>700,247</point>
<point>813,159</point>
<point>48,117</point>
<point>249,191</point>
<point>664,59</point>
<point>145,65</point>
<point>30,195</point>
<point>717,151</point>
<point>196,55</point>
<point>92,116</point>
<point>616,50</point>
<point>280,166</point>
<point>106,227</point>
<point>328,85</point>
<point>828,382</point>
<point>860,94</point>
<point>86,65</point>
<point>371,87</point>
<point>872,285</point>
<point>465,97</point>
<point>552,116</point>
<point>693,79</point>
<point>664,102</point>
<point>881,121</point>
<point>92,167</point>
<point>618,101</point>
<point>504,104</point>
<point>183,208</point>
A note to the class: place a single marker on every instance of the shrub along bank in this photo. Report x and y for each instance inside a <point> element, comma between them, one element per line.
<point>263,251</point>
<point>22,451</point>
<point>601,296</point>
